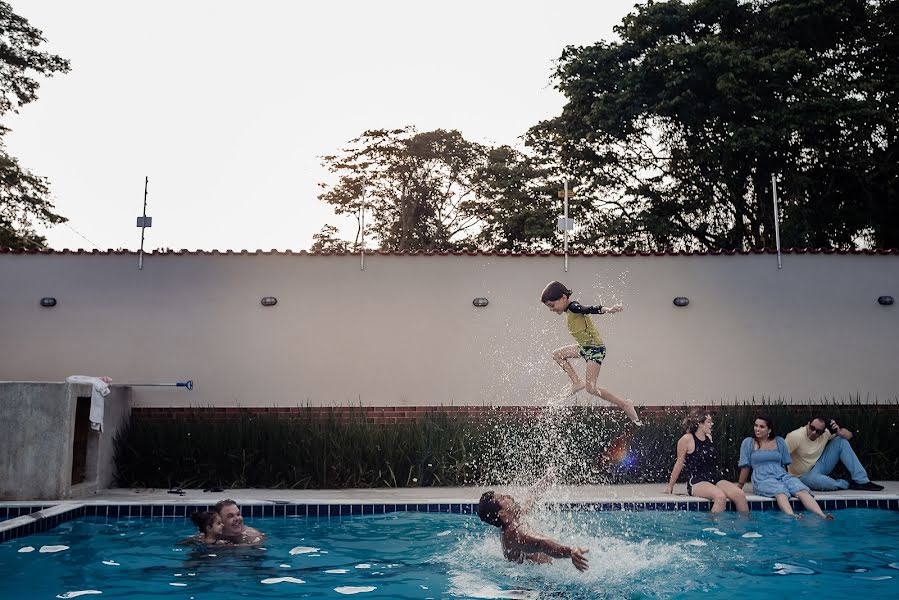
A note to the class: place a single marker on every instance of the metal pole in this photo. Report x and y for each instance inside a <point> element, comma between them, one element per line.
<point>362,231</point>
<point>189,384</point>
<point>565,233</point>
<point>140,260</point>
<point>776,219</point>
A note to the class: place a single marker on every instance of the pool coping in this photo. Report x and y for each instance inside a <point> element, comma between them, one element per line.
<point>38,516</point>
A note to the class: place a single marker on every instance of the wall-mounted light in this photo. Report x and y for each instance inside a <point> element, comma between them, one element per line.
<point>269,301</point>
<point>480,302</point>
<point>885,300</point>
<point>51,302</point>
<point>681,301</point>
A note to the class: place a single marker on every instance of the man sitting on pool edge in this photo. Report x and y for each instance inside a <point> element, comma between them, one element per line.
<point>519,544</point>
<point>233,528</point>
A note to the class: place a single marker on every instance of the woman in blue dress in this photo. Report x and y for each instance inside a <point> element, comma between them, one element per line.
<point>766,456</point>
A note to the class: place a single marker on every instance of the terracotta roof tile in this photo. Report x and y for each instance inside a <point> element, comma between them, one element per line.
<point>542,253</point>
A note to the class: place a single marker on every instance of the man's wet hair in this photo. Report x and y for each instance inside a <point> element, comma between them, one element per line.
<point>223,503</point>
<point>488,509</point>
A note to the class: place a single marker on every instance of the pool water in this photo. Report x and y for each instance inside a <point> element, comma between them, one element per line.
<point>437,555</point>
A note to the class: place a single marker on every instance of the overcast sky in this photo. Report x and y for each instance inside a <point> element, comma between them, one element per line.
<point>227,106</point>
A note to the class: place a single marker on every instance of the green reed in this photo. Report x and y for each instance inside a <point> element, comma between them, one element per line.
<point>585,444</point>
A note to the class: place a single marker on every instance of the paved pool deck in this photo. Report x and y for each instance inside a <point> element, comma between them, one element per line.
<point>432,495</point>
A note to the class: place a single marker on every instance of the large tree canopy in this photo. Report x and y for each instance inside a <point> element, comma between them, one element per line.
<point>24,196</point>
<point>677,129</point>
<point>435,190</point>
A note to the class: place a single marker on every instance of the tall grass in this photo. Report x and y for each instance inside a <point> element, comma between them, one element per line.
<point>585,444</point>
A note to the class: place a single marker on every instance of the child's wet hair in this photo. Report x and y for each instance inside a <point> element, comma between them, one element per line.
<point>204,519</point>
<point>553,291</point>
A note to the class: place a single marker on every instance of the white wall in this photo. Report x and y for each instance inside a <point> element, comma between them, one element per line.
<point>404,331</point>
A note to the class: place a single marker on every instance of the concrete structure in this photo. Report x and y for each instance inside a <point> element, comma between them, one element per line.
<point>404,331</point>
<point>48,449</point>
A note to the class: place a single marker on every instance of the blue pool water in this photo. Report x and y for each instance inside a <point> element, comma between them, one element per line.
<point>430,555</point>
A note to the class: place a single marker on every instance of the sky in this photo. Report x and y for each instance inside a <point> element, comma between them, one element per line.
<point>228,106</point>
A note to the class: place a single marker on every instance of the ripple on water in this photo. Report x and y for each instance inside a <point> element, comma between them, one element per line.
<point>273,580</point>
<point>354,589</point>
<point>788,569</point>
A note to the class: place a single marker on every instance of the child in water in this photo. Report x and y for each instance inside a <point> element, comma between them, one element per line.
<point>210,525</point>
<point>589,345</point>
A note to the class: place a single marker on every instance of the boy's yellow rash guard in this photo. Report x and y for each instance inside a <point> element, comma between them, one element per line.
<point>580,324</point>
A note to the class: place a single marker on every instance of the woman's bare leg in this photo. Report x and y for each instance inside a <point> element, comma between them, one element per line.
<point>561,357</point>
<point>626,405</point>
<point>707,490</point>
<point>783,503</point>
<point>811,505</point>
<point>735,494</point>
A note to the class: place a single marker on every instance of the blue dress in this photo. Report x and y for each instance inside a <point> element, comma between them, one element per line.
<point>769,473</point>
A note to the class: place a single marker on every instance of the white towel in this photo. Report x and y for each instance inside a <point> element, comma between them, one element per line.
<point>99,391</point>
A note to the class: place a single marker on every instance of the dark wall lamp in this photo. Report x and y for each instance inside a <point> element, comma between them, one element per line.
<point>480,302</point>
<point>681,301</point>
<point>48,302</point>
<point>269,301</point>
<point>885,300</point>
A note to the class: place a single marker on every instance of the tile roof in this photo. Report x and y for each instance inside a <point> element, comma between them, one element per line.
<point>873,251</point>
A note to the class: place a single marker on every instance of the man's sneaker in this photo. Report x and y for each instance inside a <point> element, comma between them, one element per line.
<point>869,486</point>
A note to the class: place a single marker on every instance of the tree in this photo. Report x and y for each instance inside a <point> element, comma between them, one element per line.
<point>327,240</point>
<point>24,196</point>
<point>677,129</point>
<point>519,209</point>
<point>435,190</point>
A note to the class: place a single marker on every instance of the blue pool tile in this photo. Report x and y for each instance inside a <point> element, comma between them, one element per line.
<point>356,509</point>
<point>368,509</point>
<point>468,509</point>
<point>377,509</point>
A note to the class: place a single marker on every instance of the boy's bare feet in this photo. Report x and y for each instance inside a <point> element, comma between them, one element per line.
<point>631,412</point>
<point>572,388</point>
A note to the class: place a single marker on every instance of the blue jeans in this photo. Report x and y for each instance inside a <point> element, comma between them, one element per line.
<point>836,450</point>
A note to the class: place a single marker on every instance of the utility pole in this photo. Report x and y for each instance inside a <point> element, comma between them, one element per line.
<point>776,219</point>
<point>564,224</point>
<point>143,222</point>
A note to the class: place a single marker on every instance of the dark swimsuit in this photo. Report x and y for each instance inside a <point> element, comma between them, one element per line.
<point>702,464</point>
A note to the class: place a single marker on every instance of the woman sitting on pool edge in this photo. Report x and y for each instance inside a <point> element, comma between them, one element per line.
<point>766,455</point>
<point>698,457</point>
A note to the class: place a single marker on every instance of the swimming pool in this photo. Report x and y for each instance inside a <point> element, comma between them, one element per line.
<point>447,555</point>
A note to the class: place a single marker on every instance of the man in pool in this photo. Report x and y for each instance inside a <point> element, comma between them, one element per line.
<point>233,528</point>
<point>519,543</point>
<point>817,448</point>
